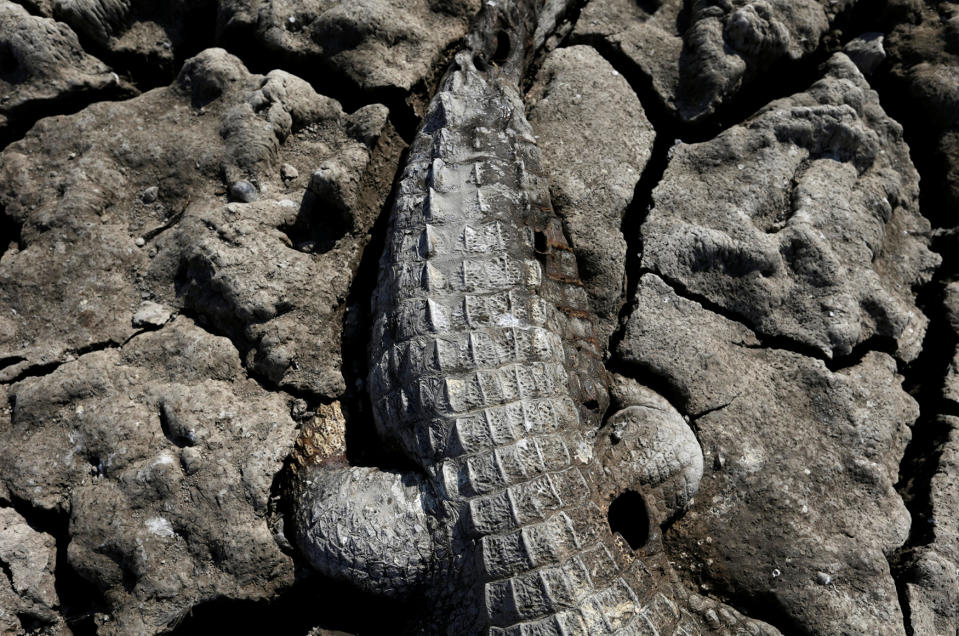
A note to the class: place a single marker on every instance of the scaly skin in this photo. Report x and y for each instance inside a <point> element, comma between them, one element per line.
<point>486,374</point>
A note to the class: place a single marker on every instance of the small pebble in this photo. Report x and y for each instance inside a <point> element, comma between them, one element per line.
<point>823,579</point>
<point>150,194</point>
<point>776,573</point>
<point>300,409</point>
<point>288,172</point>
<point>140,241</point>
<point>151,314</point>
<point>242,191</point>
<point>190,459</point>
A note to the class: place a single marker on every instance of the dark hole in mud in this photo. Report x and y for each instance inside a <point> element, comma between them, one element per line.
<point>318,226</point>
<point>649,6</point>
<point>501,54</point>
<point>9,64</point>
<point>629,517</point>
<point>10,231</point>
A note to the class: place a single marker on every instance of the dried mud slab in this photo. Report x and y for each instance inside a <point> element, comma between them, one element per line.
<point>578,99</point>
<point>100,228</point>
<point>28,598</point>
<point>704,55</point>
<point>163,453</point>
<point>377,44</point>
<point>148,38</point>
<point>729,44</point>
<point>646,34</point>
<point>43,68</point>
<point>803,221</point>
<point>923,79</point>
<point>796,510</point>
<point>950,385</point>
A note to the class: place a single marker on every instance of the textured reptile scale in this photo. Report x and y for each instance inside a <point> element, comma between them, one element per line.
<point>485,372</point>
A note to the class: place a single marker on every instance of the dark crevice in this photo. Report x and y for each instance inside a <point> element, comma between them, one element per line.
<point>363,445</point>
<point>311,602</point>
<point>170,221</point>
<point>80,600</point>
<point>924,377</point>
<point>38,370</point>
<point>874,343</point>
<point>35,371</point>
<point>93,347</point>
<point>10,230</point>
<point>9,361</point>
<point>21,120</point>
<point>633,219</point>
<point>318,225</point>
<point>782,80</point>
<point>695,417</point>
<point>924,380</point>
<point>31,7</point>
<point>922,134</point>
<point>766,341</point>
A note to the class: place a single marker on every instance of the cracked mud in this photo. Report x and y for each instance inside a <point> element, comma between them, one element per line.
<point>712,242</point>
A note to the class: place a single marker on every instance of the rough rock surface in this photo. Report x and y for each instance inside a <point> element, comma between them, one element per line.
<point>579,98</point>
<point>163,452</point>
<point>728,44</point>
<point>950,385</point>
<point>803,221</point>
<point>800,467</point>
<point>43,68</point>
<point>28,599</point>
<point>923,81</point>
<point>90,234</point>
<point>149,39</point>
<point>699,56</point>
<point>646,35</point>
<point>866,52</point>
<point>375,43</point>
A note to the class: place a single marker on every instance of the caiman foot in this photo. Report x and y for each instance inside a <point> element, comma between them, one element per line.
<point>360,524</point>
<point>647,447</point>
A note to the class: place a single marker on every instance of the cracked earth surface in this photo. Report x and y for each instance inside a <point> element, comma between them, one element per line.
<point>761,197</point>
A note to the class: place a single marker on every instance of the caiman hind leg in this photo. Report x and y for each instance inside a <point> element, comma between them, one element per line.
<point>360,524</point>
<point>648,448</point>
